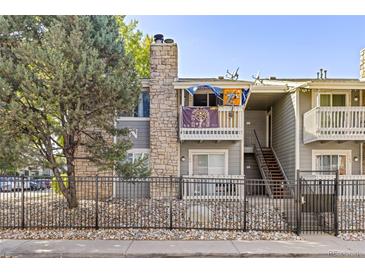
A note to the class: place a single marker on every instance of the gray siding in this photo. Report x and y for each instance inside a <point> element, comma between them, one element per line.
<point>257,121</point>
<point>142,128</point>
<point>252,170</point>
<point>363,157</point>
<point>283,133</point>
<point>234,154</point>
<point>126,189</point>
<point>305,150</point>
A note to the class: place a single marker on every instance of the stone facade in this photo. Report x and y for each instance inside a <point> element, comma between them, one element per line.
<point>362,65</point>
<point>164,155</point>
<point>164,145</point>
<point>83,167</point>
<point>86,171</point>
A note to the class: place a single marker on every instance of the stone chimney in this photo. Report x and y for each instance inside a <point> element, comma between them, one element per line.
<point>164,154</point>
<point>362,65</point>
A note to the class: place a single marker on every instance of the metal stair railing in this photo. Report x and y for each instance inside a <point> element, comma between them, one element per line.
<point>263,166</point>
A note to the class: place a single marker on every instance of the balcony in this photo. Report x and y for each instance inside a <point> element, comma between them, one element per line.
<point>334,124</point>
<point>211,123</point>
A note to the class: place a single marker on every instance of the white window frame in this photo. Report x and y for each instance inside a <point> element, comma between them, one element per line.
<point>131,119</point>
<point>193,152</point>
<point>317,96</point>
<point>346,152</point>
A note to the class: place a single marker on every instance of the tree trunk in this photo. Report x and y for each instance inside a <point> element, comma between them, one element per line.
<point>69,190</point>
<point>72,200</point>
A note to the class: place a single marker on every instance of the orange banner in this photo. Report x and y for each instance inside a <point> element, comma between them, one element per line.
<point>232,97</point>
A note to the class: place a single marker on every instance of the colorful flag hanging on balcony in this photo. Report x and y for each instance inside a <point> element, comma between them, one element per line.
<point>245,95</point>
<point>232,96</point>
<point>200,117</point>
<point>216,90</point>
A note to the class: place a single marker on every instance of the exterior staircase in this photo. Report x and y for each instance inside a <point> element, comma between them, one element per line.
<point>275,180</point>
<point>273,165</point>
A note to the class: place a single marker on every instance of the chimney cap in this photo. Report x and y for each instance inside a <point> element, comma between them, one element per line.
<point>158,38</point>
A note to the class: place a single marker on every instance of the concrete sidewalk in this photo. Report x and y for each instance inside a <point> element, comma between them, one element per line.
<point>311,246</point>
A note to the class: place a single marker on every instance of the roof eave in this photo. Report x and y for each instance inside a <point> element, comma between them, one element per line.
<point>221,84</point>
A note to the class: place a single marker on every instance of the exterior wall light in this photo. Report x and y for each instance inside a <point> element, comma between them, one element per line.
<point>182,158</point>
<point>356,159</point>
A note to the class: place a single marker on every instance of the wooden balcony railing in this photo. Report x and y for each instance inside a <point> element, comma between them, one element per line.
<point>230,126</point>
<point>334,123</point>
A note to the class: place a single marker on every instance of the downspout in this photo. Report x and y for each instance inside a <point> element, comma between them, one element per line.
<point>297,131</point>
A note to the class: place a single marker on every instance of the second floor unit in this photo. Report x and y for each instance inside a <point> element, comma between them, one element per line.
<point>211,109</point>
<point>334,110</point>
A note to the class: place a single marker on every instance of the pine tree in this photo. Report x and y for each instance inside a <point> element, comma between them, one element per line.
<point>62,77</point>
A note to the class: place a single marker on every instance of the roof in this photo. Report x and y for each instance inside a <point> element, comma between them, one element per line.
<point>313,79</point>
<point>270,83</point>
<point>223,83</point>
<point>309,83</point>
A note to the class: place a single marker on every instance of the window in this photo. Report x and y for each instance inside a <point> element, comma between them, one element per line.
<point>142,110</point>
<point>333,160</point>
<point>207,162</point>
<point>332,100</point>
<point>200,100</point>
<point>206,99</point>
<point>143,107</point>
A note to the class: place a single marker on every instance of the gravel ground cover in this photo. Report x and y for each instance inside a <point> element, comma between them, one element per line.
<point>58,222</point>
<point>141,234</point>
<point>356,236</point>
<point>351,215</point>
<point>142,213</point>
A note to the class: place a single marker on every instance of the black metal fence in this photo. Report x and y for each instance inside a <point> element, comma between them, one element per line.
<point>186,203</point>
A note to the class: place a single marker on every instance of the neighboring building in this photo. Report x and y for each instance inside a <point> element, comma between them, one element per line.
<point>306,124</point>
<point>35,171</point>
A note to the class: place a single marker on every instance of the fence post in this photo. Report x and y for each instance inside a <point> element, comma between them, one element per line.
<point>180,187</point>
<point>299,203</point>
<point>244,206</point>
<point>335,210</point>
<point>97,202</point>
<point>22,224</point>
<point>171,195</point>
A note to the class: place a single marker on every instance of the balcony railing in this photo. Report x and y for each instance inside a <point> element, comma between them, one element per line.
<point>213,187</point>
<point>334,123</point>
<point>230,126</point>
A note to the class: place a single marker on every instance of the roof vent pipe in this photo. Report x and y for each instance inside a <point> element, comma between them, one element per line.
<point>325,74</point>
<point>317,75</point>
<point>158,38</point>
<point>321,73</point>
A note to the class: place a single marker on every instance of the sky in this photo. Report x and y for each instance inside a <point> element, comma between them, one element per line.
<point>281,46</point>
